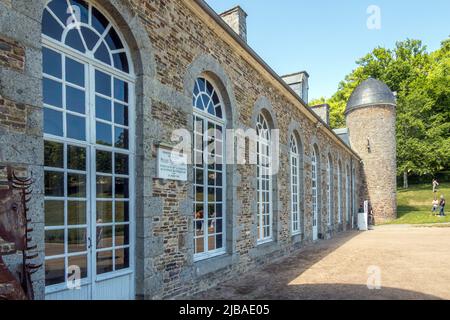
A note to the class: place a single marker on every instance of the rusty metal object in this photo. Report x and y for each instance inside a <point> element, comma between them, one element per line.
<point>14,228</point>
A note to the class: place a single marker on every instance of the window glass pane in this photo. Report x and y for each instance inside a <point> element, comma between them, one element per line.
<point>102,83</point>
<point>76,127</point>
<point>59,8</point>
<point>54,272</point>
<point>54,213</point>
<point>53,122</point>
<point>104,161</point>
<point>103,108</point>
<point>50,27</point>
<point>73,40</point>
<point>121,138</point>
<point>52,93</point>
<point>121,163</point>
<point>121,114</point>
<point>77,240</point>
<point>90,37</point>
<point>104,262</point>
<point>104,187</point>
<point>113,40</point>
<point>76,213</point>
<point>76,185</point>
<point>121,90</point>
<point>122,188</point>
<point>102,54</point>
<point>122,211</point>
<point>104,211</point>
<point>99,22</point>
<point>104,237</point>
<point>122,259</point>
<point>121,61</point>
<point>54,184</point>
<point>122,235</point>
<point>104,134</point>
<point>54,242</point>
<point>51,61</point>
<point>81,263</point>
<point>76,158</point>
<point>74,72</point>
<point>75,100</point>
<point>53,154</point>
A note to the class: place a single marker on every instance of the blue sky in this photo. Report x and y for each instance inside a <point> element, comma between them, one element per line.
<point>326,37</point>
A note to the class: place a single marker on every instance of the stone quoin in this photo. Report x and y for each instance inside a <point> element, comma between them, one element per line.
<point>89,93</point>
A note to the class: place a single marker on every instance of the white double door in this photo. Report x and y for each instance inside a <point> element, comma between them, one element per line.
<point>90,251</point>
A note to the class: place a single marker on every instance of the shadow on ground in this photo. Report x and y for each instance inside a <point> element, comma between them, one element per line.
<point>277,280</point>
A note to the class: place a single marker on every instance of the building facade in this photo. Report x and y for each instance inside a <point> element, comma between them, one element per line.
<point>92,91</point>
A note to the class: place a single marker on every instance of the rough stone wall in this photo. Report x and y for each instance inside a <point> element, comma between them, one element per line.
<point>21,144</point>
<point>164,221</point>
<point>377,124</point>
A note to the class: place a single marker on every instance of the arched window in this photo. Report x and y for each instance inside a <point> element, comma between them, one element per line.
<point>329,190</point>
<point>209,170</point>
<point>315,194</point>
<point>264,177</point>
<point>339,193</point>
<point>295,185</point>
<point>347,194</point>
<point>88,98</point>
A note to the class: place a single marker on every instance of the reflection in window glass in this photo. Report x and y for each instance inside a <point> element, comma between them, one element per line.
<point>75,100</point>
<point>76,158</point>
<point>104,135</point>
<point>76,213</point>
<point>74,72</point>
<point>53,122</point>
<point>76,127</point>
<point>52,93</point>
<point>53,154</point>
<point>51,61</point>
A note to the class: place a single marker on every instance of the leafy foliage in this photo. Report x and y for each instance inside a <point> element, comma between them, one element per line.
<point>421,81</point>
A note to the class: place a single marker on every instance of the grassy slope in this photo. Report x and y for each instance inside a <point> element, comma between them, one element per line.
<point>414,204</point>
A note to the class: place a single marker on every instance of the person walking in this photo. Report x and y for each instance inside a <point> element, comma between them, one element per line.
<point>435,186</point>
<point>442,206</point>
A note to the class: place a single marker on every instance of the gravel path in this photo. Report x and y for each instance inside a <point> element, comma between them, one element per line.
<point>413,263</point>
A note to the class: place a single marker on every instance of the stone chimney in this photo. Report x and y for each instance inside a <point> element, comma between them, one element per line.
<point>236,18</point>
<point>323,111</point>
<point>299,83</point>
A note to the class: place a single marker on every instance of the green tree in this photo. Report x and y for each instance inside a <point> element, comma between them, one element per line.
<point>422,83</point>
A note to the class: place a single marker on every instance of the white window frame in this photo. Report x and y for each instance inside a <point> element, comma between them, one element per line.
<point>347,195</point>
<point>295,186</point>
<point>91,64</point>
<point>339,176</point>
<point>264,140</point>
<point>329,191</point>
<point>314,187</point>
<point>206,117</point>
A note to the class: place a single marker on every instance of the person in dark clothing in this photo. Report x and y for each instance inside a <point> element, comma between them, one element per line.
<point>442,206</point>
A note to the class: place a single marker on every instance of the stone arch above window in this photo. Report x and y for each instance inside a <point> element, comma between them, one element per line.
<point>208,68</point>
<point>80,26</point>
<point>264,107</point>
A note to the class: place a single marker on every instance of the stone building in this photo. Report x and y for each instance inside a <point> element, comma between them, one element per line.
<point>93,92</point>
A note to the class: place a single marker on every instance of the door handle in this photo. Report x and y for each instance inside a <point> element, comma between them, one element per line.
<point>90,243</point>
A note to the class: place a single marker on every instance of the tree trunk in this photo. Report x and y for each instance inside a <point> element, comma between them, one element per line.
<point>405,180</point>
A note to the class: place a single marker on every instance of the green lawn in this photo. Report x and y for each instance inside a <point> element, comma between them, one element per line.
<point>414,205</point>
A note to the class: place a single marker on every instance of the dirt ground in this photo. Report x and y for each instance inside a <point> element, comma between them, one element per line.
<point>409,262</point>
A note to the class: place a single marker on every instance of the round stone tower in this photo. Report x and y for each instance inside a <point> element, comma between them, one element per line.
<point>371,117</point>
